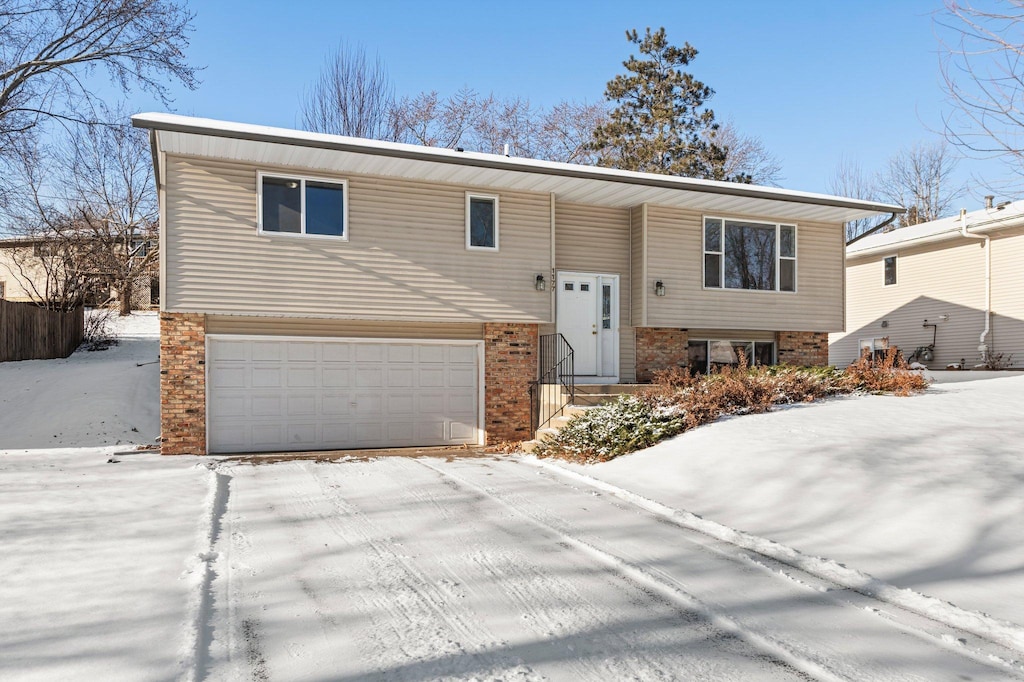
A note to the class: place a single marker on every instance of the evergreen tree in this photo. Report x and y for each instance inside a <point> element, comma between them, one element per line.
<point>660,123</point>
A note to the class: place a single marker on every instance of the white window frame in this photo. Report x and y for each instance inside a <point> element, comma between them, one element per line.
<point>895,270</point>
<point>301,179</point>
<point>489,197</point>
<point>778,257</point>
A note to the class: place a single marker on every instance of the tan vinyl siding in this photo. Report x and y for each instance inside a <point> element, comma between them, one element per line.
<point>931,281</point>
<point>675,256</point>
<point>405,259</point>
<point>299,326</point>
<point>1007,336</point>
<point>596,239</point>
<point>636,256</point>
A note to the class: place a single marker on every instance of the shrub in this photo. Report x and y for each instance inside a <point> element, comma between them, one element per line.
<point>99,329</point>
<point>607,431</point>
<point>678,401</point>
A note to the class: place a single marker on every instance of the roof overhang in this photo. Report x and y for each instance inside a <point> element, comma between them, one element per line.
<point>571,183</point>
<point>947,229</point>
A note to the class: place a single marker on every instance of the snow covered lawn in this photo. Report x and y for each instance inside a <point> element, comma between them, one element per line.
<point>924,492</point>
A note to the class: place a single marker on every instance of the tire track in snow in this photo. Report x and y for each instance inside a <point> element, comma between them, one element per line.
<point>427,630</point>
<point>1001,642</point>
<point>660,585</point>
<point>201,571</point>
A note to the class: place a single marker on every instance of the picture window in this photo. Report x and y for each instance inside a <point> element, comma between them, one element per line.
<point>742,254</point>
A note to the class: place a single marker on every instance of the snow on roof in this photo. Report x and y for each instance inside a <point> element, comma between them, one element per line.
<point>983,220</point>
<point>569,182</point>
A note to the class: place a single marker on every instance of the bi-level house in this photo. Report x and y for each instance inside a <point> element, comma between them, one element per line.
<point>325,292</point>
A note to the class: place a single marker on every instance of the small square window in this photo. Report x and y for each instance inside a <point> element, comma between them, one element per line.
<point>569,286</point>
<point>481,222</point>
<point>584,287</point>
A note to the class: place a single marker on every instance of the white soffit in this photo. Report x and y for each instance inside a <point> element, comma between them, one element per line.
<point>234,142</point>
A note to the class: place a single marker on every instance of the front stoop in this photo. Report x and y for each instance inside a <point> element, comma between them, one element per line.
<point>587,396</point>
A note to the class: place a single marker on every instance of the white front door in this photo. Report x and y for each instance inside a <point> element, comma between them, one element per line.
<point>588,317</point>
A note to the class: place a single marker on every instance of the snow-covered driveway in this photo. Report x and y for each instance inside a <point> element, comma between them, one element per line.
<point>424,569</point>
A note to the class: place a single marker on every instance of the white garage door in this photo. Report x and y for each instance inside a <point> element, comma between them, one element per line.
<point>267,394</point>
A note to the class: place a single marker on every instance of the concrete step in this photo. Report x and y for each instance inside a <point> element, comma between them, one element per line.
<point>606,389</point>
<point>591,399</point>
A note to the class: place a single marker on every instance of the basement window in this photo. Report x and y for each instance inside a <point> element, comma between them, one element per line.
<point>710,355</point>
<point>303,206</point>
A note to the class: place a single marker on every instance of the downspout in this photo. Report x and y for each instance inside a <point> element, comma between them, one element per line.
<point>982,346</point>
<point>874,229</point>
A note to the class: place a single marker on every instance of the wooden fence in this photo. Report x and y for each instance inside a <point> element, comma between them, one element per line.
<point>28,332</point>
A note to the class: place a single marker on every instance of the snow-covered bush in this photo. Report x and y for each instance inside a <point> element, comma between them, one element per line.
<point>99,331</point>
<point>607,431</point>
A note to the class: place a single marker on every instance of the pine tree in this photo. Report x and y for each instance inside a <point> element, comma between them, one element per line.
<point>660,123</point>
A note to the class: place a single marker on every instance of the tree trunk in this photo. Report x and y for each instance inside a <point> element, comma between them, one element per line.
<point>125,300</point>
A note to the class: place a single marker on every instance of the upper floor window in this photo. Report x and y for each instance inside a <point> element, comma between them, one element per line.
<point>303,206</point>
<point>890,270</point>
<point>742,254</point>
<point>481,222</point>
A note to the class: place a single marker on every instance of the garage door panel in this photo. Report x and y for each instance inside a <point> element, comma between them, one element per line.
<point>267,351</point>
<point>266,377</point>
<point>462,355</point>
<point>369,377</point>
<point>336,377</point>
<point>302,377</point>
<point>335,405</point>
<point>462,377</point>
<point>269,394</point>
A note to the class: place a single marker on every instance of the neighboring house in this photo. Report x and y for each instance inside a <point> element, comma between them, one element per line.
<point>325,292</point>
<point>954,282</point>
<point>29,273</point>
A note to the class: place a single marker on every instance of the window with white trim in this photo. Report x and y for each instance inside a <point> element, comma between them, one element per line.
<point>712,354</point>
<point>296,205</point>
<point>890,270</point>
<point>744,254</point>
<point>481,222</point>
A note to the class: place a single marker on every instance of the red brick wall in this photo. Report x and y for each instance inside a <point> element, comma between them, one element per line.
<point>182,384</point>
<point>659,348</point>
<point>510,364</point>
<point>804,349</point>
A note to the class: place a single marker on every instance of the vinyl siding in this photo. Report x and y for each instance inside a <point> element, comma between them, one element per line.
<point>368,329</point>
<point>405,259</point>
<point>675,256</point>
<point>1007,336</point>
<point>596,239</point>
<point>732,335</point>
<point>933,280</point>
<point>637,272</point>
<point>16,279</point>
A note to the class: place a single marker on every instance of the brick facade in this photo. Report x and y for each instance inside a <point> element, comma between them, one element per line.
<point>659,348</point>
<point>803,349</point>
<point>182,384</point>
<point>510,364</point>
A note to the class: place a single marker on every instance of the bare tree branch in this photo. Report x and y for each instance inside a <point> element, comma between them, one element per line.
<point>352,96</point>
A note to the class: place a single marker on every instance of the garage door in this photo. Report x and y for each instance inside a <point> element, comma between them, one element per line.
<point>267,394</point>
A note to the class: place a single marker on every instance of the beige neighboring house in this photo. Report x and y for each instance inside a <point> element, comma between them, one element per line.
<point>23,278</point>
<point>955,283</point>
<point>325,292</point>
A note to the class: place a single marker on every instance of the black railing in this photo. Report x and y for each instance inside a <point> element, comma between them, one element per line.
<point>556,369</point>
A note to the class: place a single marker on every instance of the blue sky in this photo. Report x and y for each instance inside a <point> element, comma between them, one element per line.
<point>816,81</point>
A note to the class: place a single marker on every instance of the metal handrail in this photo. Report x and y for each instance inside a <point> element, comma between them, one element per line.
<point>557,368</point>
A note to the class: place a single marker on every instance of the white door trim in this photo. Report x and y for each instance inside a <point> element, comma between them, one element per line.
<point>604,374</point>
<point>481,428</point>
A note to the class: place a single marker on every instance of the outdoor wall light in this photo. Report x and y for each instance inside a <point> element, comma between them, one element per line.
<point>659,288</point>
<point>539,283</point>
